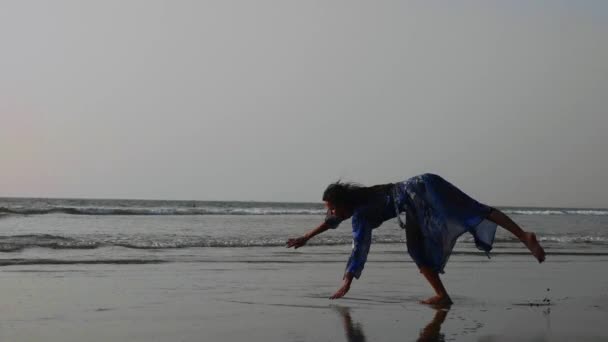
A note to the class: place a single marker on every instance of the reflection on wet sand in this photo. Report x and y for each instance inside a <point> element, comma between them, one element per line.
<point>354,332</point>
<point>430,332</point>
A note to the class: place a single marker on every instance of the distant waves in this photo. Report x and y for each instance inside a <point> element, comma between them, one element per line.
<point>249,210</point>
<point>102,211</point>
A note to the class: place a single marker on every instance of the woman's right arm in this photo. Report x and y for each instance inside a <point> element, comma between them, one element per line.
<point>301,241</point>
<point>331,222</point>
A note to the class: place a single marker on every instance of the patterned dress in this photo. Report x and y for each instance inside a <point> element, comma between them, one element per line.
<point>436,214</point>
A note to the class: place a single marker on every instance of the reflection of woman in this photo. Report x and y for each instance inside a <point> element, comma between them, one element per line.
<point>354,332</point>
<point>436,214</point>
<point>431,332</point>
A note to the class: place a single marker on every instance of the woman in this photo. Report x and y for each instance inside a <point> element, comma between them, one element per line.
<point>436,214</point>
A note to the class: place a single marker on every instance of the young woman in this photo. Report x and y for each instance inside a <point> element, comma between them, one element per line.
<point>436,214</point>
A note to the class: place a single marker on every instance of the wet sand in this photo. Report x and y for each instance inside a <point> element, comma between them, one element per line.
<point>507,298</point>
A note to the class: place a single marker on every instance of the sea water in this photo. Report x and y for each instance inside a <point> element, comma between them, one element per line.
<point>35,231</point>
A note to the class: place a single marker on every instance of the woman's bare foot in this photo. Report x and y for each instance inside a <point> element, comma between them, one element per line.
<point>531,242</point>
<point>439,300</point>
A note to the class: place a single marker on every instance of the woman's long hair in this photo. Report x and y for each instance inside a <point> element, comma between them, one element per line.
<point>351,195</point>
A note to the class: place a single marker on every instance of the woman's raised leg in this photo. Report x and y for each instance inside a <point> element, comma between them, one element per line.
<point>528,239</point>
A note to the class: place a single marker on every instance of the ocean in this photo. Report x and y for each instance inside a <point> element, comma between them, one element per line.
<point>64,231</point>
<point>135,270</point>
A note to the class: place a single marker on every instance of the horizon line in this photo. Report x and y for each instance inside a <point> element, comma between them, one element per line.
<point>252,201</point>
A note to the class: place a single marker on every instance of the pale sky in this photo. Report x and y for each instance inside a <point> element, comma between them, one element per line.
<point>272,100</point>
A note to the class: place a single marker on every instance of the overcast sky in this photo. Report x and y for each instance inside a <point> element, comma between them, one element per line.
<point>272,100</point>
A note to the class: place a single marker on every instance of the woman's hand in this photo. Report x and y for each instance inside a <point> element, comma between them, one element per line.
<point>348,279</point>
<point>301,241</point>
<point>297,242</point>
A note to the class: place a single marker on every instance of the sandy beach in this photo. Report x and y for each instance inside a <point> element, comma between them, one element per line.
<point>250,297</point>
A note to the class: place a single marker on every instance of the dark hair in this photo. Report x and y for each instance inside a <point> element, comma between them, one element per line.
<point>352,194</point>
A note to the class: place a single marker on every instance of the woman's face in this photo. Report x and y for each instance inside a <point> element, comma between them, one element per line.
<point>338,211</point>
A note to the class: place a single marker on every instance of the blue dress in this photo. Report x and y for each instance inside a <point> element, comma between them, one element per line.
<point>436,214</point>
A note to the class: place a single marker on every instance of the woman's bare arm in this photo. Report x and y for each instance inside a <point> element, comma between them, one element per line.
<point>301,241</point>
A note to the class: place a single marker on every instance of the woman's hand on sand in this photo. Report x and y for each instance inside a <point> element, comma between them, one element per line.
<point>348,279</point>
<point>297,242</point>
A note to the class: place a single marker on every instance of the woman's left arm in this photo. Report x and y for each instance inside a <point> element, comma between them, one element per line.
<point>348,279</point>
<point>362,239</point>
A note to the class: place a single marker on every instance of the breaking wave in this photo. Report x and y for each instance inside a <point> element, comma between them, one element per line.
<point>43,261</point>
<point>590,212</point>
<point>17,243</point>
<point>160,211</point>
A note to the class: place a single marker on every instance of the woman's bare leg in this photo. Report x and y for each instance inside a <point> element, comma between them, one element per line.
<point>442,297</point>
<point>529,239</point>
